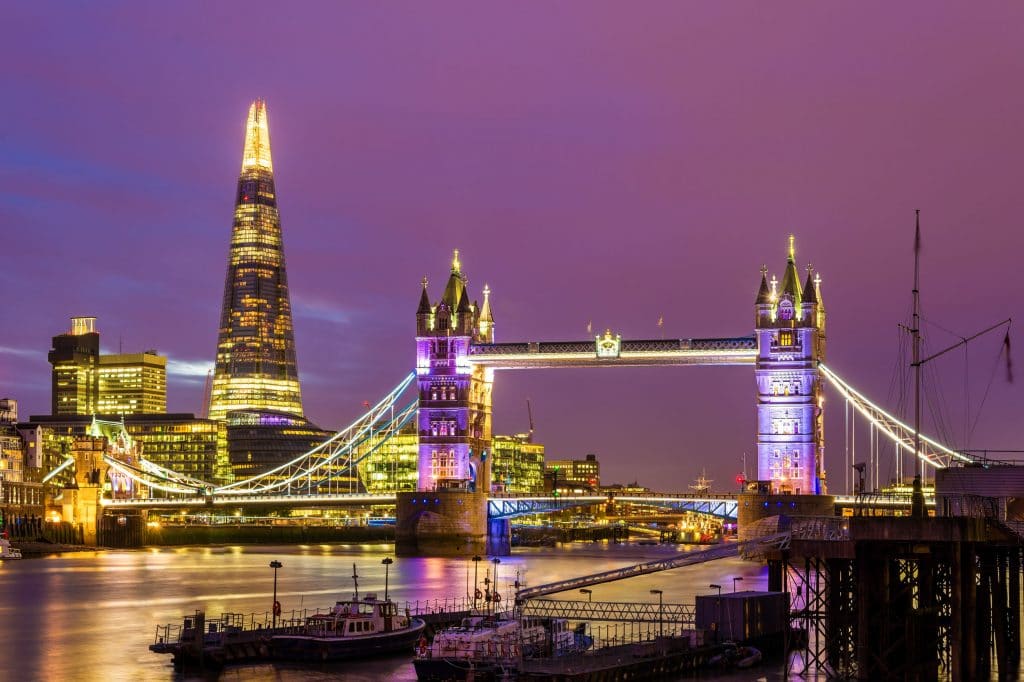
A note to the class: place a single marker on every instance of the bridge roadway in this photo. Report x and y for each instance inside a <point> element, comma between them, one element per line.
<point>723,506</point>
<point>610,351</point>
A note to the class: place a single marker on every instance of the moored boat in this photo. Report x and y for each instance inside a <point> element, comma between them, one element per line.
<point>356,628</point>
<point>492,647</point>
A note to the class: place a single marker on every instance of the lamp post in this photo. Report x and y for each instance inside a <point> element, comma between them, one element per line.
<point>276,609</point>
<point>494,594</point>
<point>387,561</point>
<point>737,579</point>
<point>476,590</point>
<point>718,619</point>
<point>661,612</point>
<point>589,593</point>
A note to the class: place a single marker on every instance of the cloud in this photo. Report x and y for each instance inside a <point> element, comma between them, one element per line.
<point>21,352</point>
<point>188,370</point>
<point>320,310</point>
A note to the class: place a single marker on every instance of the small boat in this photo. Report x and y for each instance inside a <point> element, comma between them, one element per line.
<point>736,657</point>
<point>356,628</point>
<point>6,551</point>
<point>491,647</point>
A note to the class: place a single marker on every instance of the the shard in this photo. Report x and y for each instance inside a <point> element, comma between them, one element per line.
<point>256,367</point>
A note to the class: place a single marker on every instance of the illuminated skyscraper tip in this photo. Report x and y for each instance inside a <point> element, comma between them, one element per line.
<point>256,367</point>
<point>257,138</point>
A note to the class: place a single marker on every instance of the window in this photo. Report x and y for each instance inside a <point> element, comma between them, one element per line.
<point>786,337</point>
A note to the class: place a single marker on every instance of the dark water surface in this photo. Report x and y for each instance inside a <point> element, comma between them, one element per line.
<point>92,615</point>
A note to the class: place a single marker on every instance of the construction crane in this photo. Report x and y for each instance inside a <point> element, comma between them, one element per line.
<point>529,412</point>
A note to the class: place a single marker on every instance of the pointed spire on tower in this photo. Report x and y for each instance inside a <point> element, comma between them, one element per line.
<point>485,311</point>
<point>810,295</point>
<point>764,294</point>
<point>257,138</point>
<point>456,286</point>
<point>791,278</point>
<point>424,307</point>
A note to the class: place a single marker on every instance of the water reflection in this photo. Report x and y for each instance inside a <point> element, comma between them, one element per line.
<point>92,615</point>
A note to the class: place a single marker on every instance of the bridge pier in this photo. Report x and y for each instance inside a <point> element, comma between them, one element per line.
<point>499,537</point>
<point>441,523</point>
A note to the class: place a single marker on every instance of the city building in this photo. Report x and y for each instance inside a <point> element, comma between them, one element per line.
<point>132,383</point>
<point>75,358</point>
<point>86,382</point>
<point>391,466</point>
<point>255,366</point>
<point>517,465</point>
<point>260,440</point>
<point>8,411</point>
<point>573,474</point>
<point>180,442</point>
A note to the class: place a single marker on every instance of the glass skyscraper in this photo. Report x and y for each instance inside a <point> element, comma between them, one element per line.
<point>256,367</point>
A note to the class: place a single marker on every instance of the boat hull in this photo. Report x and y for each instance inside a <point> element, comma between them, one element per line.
<point>442,669</point>
<point>319,649</point>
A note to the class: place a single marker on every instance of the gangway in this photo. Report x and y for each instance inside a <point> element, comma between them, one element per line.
<point>722,551</point>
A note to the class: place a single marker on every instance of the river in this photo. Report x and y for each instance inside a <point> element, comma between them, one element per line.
<point>92,615</point>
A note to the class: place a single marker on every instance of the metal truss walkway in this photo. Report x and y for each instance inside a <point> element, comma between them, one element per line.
<point>609,351</point>
<point>722,551</point>
<point>579,610</point>
<point>514,507</point>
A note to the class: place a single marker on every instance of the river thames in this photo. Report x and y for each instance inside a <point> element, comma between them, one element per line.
<point>92,615</point>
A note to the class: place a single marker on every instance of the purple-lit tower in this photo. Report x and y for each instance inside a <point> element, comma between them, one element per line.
<point>448,513</point>
<point>790,325</point>
<point>455,399</point>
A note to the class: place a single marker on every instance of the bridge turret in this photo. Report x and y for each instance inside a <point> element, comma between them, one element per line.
<point>791,343</point>
<point>424,313</point>
<point>485,324</point>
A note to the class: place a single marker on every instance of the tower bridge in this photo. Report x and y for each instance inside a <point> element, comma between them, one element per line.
<point>453,511</point>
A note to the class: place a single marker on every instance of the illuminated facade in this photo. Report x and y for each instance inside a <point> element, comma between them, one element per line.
<point>582,474</point>
<point>179,442</point>
<point>391,467</point>
<point>132,383</point>
<point>790,326</point>
<point>454,419</point>
<point>75,360</point>
<point>86,382</point>
<point>518,465</point>
<point>256,367</point>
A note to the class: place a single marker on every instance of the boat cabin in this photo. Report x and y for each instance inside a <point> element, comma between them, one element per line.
<point>357,617</point>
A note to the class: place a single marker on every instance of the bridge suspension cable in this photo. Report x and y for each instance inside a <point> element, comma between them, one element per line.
<point>932,452</point>
<point>323,460</point>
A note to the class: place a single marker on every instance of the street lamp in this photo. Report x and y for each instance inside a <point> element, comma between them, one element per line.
<point>495,596</point>
<point>387,561</point>
<point>718,619</point>
<point>275,564</point>
<point>589,593</point>
<point>735,580</point>
<point>476,590</point>
<point>661,612</point>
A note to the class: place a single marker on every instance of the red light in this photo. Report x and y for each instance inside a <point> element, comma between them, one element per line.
<point>740,480</point>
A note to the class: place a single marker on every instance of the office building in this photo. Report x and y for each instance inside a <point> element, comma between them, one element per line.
<point>255,368</point>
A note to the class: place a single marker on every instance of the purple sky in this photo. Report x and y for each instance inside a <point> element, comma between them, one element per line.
<point>591,162</point>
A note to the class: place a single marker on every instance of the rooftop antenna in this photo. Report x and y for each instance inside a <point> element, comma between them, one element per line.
<point>529,412</point>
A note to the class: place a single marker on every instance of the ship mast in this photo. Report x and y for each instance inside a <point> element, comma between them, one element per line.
<point>917,498</point>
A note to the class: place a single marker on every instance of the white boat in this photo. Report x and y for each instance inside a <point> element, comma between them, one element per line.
<point>490,647</point>
<point>6,551</point>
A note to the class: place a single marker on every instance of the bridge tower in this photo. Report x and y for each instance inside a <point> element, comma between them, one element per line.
<point>448,512</point>
<point>790,327</point>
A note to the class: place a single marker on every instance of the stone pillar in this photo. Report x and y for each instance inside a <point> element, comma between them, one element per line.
<point>441,523</point>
